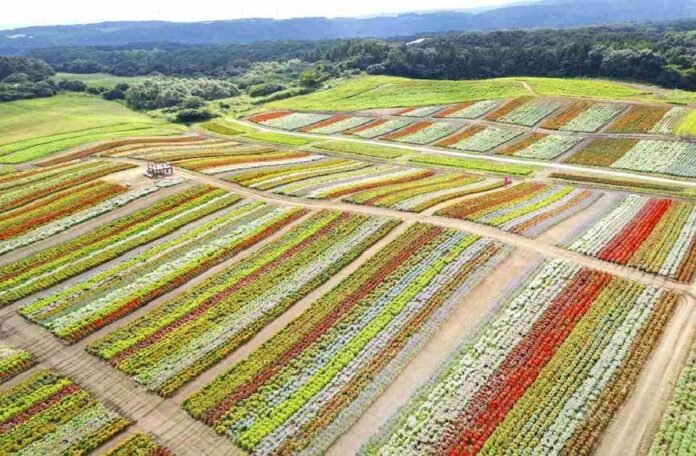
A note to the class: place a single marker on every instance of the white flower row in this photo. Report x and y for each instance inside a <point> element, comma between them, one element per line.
<point>341,125</point>
<point>398,173</point>
<point>664,157</point>
<point>476,110</point>
<point>593,118</point>
<point>423,111</point>
<point>669,121</point>
<point>303,187</point>
<point>383,128</point>
<point>295,120</point>
<point>486,139</point>
<point>531,112</point>
<point>429,134</point>
<point>549,147</point>
<point>263,164</point>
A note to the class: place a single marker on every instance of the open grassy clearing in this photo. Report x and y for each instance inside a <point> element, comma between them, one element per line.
<point>31,129</point>
<point>473,164</point>
<point>353,148</point>
<point>277,138</point>
<point>108,81</point>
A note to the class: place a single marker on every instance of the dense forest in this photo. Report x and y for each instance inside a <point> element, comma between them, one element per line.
<point>663,54</point>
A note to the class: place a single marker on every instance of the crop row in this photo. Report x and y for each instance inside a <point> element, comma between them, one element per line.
<point>174,153</point>
<point>677,433</point>
<point>418,195</point>
<point>293,120</point>
<point>421,132</point>
<point>528,208</point>
<point>423,111</point>
<point>670,121</point>
<point>310,382</point>
<point>592,119</point>
<point>49,229</point>
<point>530,113</point>
<point>247,160</point>
<point>55,264</point>
<point>548,147</point>
<point>13,361</point>
<point>84,307</point>
<point>566,114</point>
<point>49,414</point>
<point>638,119</point>
<point>275,176</point>
<point>344,183</point>
<point>378,127</point>
<point>651,234</point>
<point>545,375</point>
<point>480,139</point>
<point>140,444</point>
<point>336,124</point>
<point>20,195</point>
<point>176,341</point>
<point>472,110</point>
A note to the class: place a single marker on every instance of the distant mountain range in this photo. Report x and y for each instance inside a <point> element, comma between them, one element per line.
<point>545,13</point>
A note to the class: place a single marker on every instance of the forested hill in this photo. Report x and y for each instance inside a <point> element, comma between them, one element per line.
<point>546,13</point>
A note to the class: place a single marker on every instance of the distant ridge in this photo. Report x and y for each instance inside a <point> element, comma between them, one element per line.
<point>545,13</point>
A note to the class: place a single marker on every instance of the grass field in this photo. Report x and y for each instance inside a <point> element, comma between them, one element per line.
<point>99,79</point>
<point>31,129</point>
<point>277,138</point>
<point>473,164</point>
<point>368,150</point>
<point>688,125</point>
<point>584,88</point>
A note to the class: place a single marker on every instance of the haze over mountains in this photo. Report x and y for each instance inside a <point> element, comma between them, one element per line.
<point>545,13</point>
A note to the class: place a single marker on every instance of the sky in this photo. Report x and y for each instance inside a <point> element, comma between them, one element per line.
<point>54,12</point>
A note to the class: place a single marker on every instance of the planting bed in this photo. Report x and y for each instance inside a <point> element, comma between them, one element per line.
<point>528,208</point>
<point>310,382</point>
<point>544,147</point>
<point>378,128</point>
<point>13,361</point>
<point>479,138</point>
<point>247,160</point>
<point>176,341</point>
<point>289,120</point>
<point>47,414</point>
<point>670,121</point>
<point>421,133</point>
<point>651,234</point>
<point>140,444</point>
<point>544,376</point>
<point>336,124</point>
<point>530,113</point>
<point>424,111</point>
<point>638,119</point>
<point>471,110</point>
<point>82,308</point>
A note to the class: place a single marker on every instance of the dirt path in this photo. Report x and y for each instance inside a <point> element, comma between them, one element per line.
<point>533,245</point>
<point>471,312</point>
<point>633,428</point>
<point>492,158</point>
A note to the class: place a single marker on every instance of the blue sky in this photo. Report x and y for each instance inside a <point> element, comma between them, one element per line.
<point>51,12</point>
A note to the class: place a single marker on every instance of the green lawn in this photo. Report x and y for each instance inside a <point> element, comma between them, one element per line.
<point>473,164</point>
<point>687,127</point>
<point>99,79</point>
<point>278,138</point>
<point>583,88</point>
<point>385,91</point>
<point>368,150</point>
<point>32,129</point>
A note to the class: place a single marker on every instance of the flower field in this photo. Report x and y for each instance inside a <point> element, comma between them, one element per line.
<point>177,340</point>
<point>275,176</point>
<point>548,147</point>
<point>13,361</point>
<point>336,124</point>
<point>602,152</point>
<point>20,189</point>
<point>544,376</point>
<point>424,111</point>
<point>421,133</point>
<point>38,233</point>
<point>654,235</point>
<point>140,444</point>
<point>479,138</point>
<point>310,382</point>
<point>55,264</point>
<point>47,414</point>
<point>289,120</point>
<point>675,158</point>
<point>421,194</point>
<point>530,113</point>
<point>678,427</point>
<point>638,119</point>
<point>528,208</point>
<point>378,128</point>
<point>472,110</point>
<point>566,114</point>
<point>583,116</point>
<point>344,183</point>
<point>247,160</point>
<point>82,308</point>
<point>669,122</point>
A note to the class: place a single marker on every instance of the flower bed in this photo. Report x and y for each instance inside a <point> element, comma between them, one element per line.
<point>13,361</point>
<point>670,121</point>
<point>678,426</point>
<point>482,139</point>
<point>422,133</point>
<point>378,128</point>
<point>545,375</point>
<point>549,147</point>
<point>528,208</point>
<point>180,153</point>
<point>62,224</point>
<point>601,152</point>
<point>674,158</point>
<point>507,107</point>
<point>566,114</point>
<point>305,386</point>
<point>651,234</point>
<point>340,184</point>
<point>55,264</point>
<point>140,444</point>
<point>86,306</point>
<point>638,119</point>
<point>521,144</point>
<point>224,164</point>
<point>472,110</point>
<point>593,118</point>
<point>530,113</point>
<point>49,414</point>
<point>294,120</point>
<point>270,177</point>
<point>423,111</point>
<point>421,194</point>
<point>337,124</point>
<point>177,340</point>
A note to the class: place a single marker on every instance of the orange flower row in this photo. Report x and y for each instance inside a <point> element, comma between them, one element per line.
<point>507,108</point>
<point>452,109</point>
<point>602,152</point>
<point>522,143</point>
<point>466,133</point>
<point>407,131</point>
<point>638,119</point>
<point>566,115</point>
<point>268,116</point>
<point>324,123</point>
